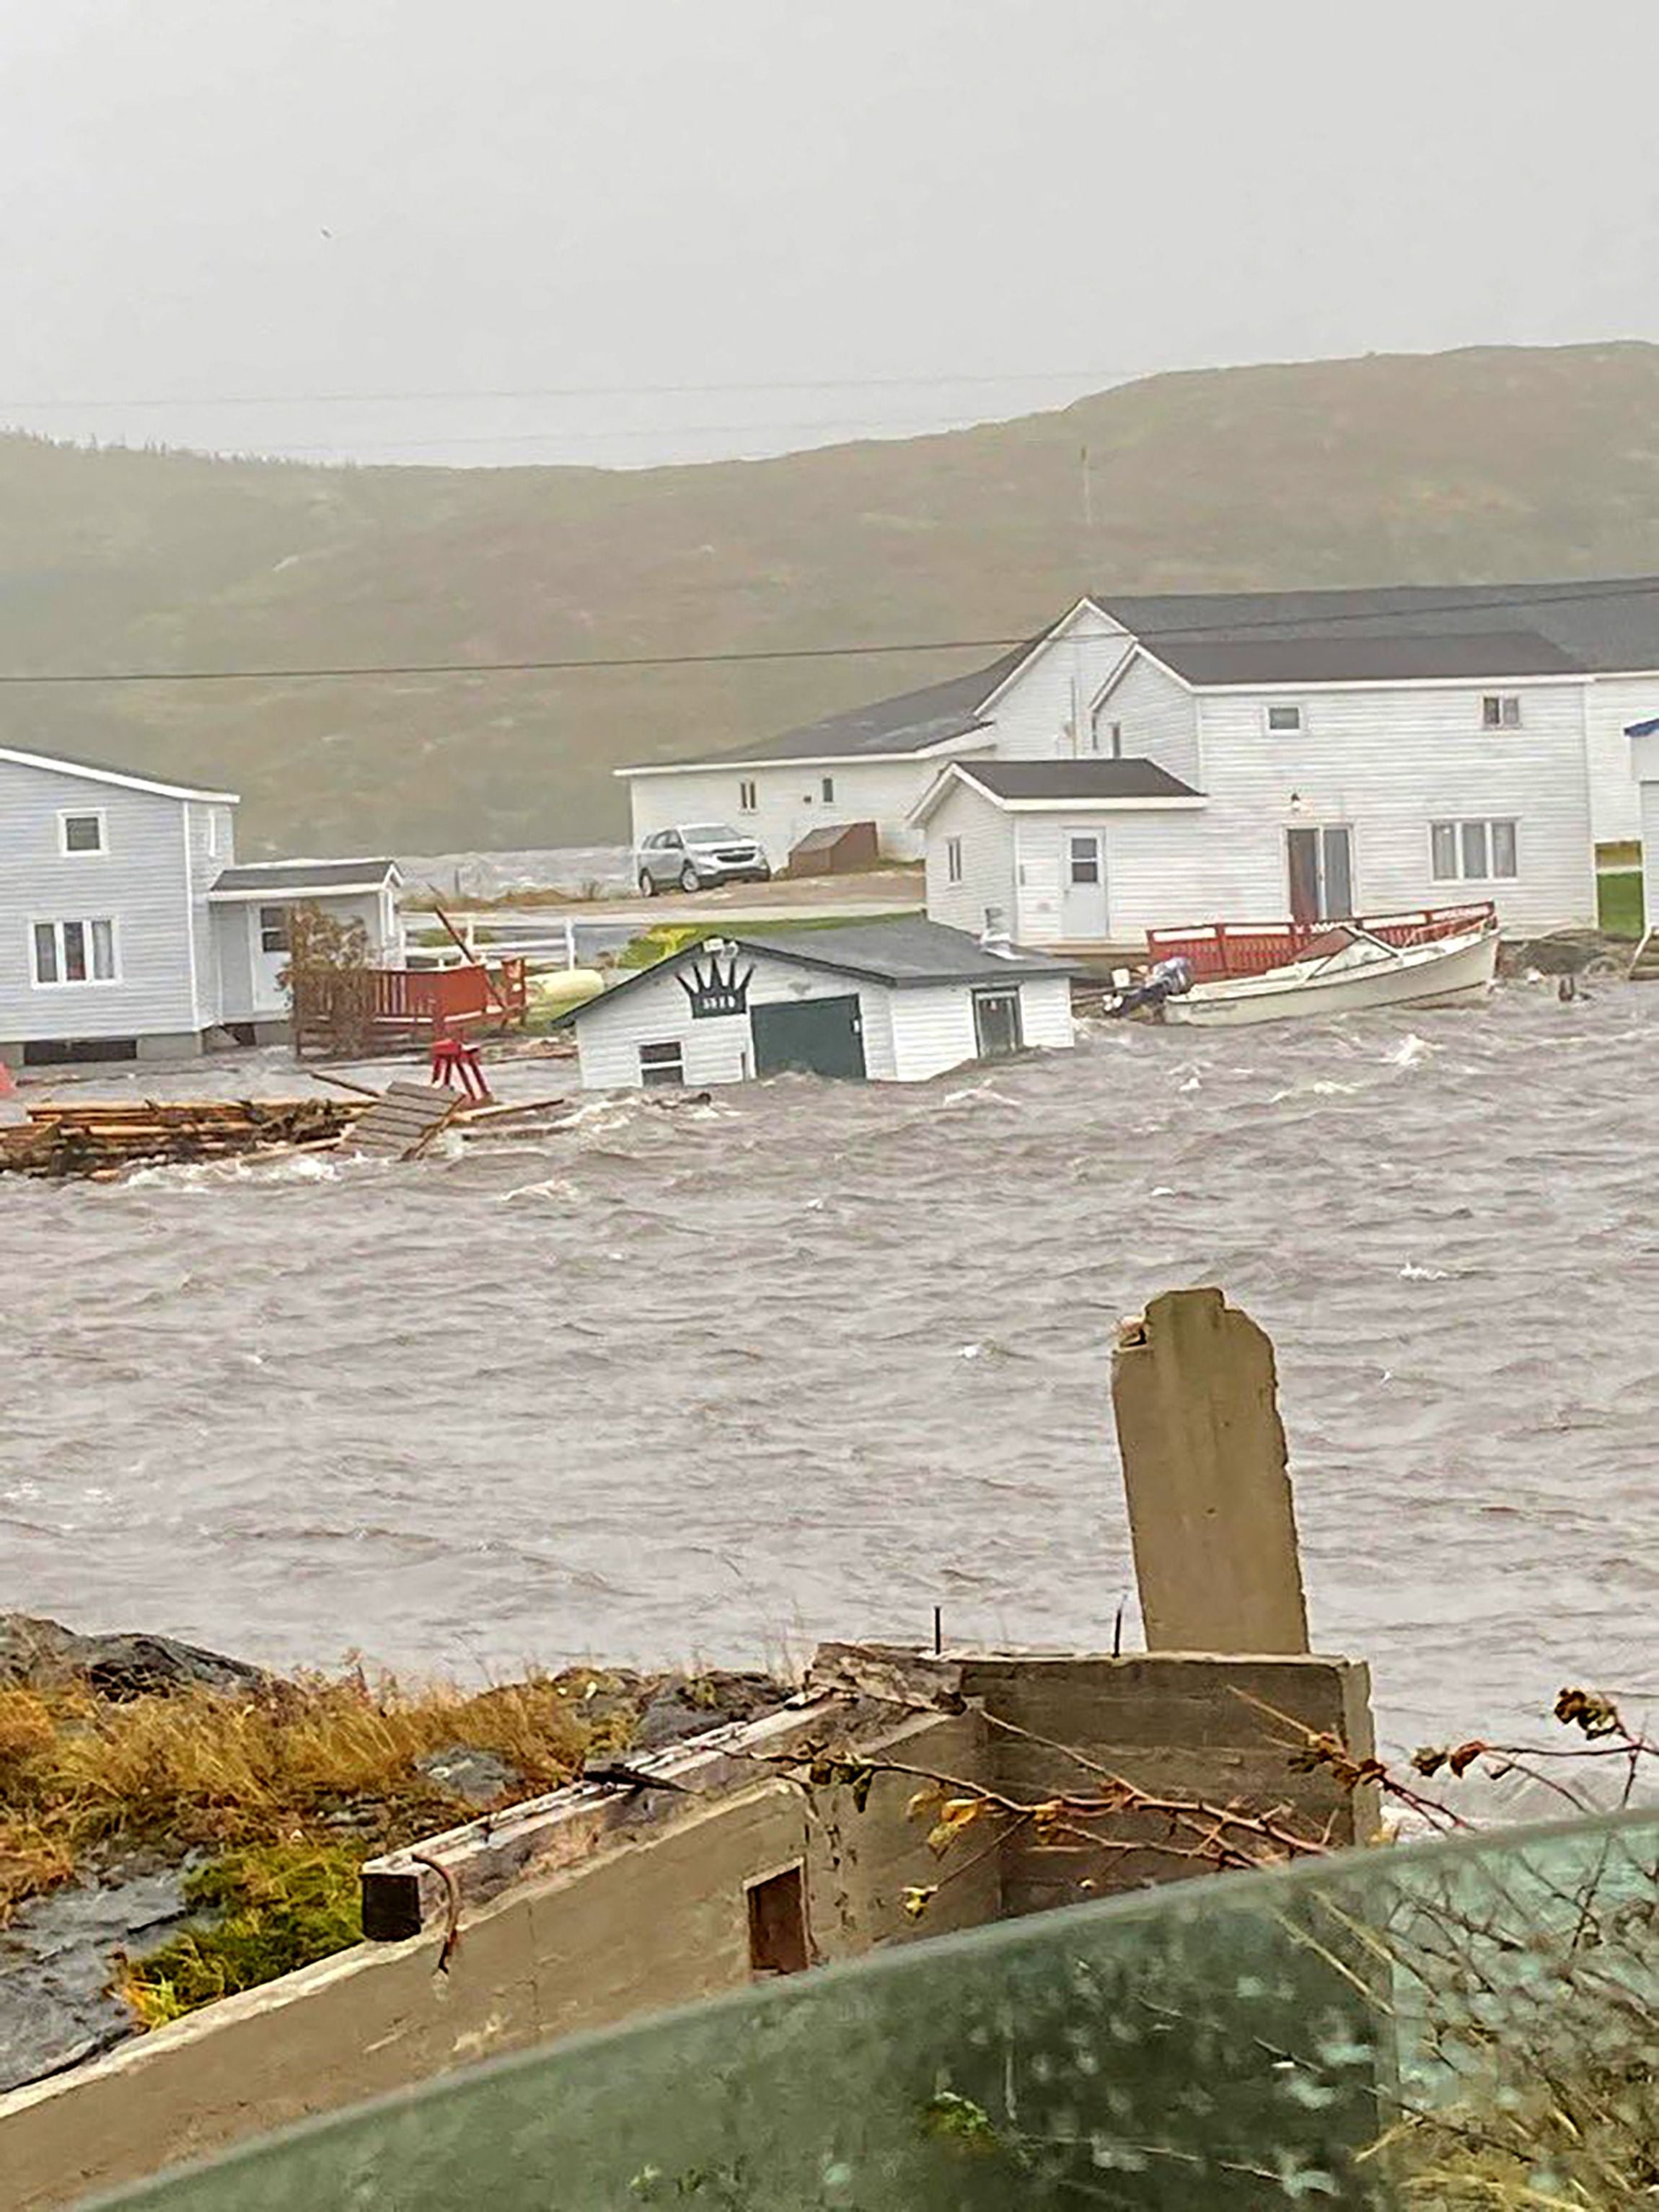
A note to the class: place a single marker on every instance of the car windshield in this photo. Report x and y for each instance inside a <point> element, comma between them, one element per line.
<point>709,832</point>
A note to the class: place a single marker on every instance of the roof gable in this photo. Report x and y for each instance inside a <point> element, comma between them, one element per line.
<point>94,772</point>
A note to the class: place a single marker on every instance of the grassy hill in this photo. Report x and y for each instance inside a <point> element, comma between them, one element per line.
<point>1486,463</point>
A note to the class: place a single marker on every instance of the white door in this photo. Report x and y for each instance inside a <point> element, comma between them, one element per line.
<point>1083,890</point>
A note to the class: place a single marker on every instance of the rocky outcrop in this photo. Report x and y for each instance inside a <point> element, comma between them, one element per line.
<point>38,1653</point>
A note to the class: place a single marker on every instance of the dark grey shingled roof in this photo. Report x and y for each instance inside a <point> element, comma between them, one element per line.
<point>906,951</point>
<point>1330,659</point>
<point>910,950</point>
<point>1069,782</point>
<point>1602,624</point>
<point>304,875</point>
<point>907,724</point>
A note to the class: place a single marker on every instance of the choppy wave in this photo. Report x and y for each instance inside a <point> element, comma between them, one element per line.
<point>716,1382</point>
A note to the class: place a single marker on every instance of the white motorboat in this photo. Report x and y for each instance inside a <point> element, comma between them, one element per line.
<point>1357,975</point>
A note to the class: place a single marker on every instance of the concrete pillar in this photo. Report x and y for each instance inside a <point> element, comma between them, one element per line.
<point>1195,1394</point>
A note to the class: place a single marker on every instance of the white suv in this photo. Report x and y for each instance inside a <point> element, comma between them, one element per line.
<point>696,854</point>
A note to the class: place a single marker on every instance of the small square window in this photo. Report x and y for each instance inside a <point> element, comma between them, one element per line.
<point>953,859</point>
<point>778,1939</point>
<point>83,833</point>
<point>1500,710</point>
<point>1283,720</point>
<point>662,1065</point>
<point>273,929</point>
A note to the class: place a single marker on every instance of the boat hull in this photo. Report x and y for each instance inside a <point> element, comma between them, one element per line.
<point>1449,974</point>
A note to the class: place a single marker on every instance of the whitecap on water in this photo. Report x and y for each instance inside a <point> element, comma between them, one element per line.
<point>1410,1273</point>
<point>1407,1054</point>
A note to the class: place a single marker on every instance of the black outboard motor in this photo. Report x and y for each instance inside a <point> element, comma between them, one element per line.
<point>1165,979</point>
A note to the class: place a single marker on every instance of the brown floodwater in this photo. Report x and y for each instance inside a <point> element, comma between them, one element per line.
<point>812,1359</point>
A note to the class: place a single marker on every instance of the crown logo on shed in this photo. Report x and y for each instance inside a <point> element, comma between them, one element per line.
<point>716,990</point>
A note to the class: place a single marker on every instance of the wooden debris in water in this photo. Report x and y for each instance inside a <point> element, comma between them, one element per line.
<point>405,1121</point>
<point>103,1141</point>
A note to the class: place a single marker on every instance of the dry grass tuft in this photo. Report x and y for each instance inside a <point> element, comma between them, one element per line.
<point>306,1760</point>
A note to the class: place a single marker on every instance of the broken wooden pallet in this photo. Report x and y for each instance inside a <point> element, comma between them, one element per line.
<point>405,1121</point>
<point>100,1141</point>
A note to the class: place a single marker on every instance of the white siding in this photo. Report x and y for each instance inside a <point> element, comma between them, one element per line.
<point>1160,871</point>
<point>934,1030</point>
<point>1614,702</point>
<point>658,1012</point>
<point>790,801</point>
<point>1159,719</point>
<point>988,860</point>
<point>210,839</point>
<point>248,973</point>
<point>1390,761</point>
<point>1045,1013</point>
<point>1033,717</point>
<point>140,884</point>
<point>1645,767</point>
<point>910,1033</point>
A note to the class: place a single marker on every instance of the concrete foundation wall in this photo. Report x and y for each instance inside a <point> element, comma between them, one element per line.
<point>1178,1726</point>
<point>641,1926</point>
<point>655,1914</point>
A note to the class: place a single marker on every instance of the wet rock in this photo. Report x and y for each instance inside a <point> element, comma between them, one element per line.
<point>685,1704</point>
<point>482,1777</point>
<point>57,1958</point>
<point>38,1653</point>
<point>1567,952</point>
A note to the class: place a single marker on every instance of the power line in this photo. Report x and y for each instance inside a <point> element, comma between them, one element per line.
<point>861,426</point>
<point>1520,601</point>
<point>581,391</point>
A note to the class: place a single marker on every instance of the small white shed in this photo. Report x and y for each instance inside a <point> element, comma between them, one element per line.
<point>887,1002</point>
<point>251,907</point>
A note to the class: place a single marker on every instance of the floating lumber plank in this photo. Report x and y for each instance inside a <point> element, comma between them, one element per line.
<point>104,1140</point>
<point>406,1120</point>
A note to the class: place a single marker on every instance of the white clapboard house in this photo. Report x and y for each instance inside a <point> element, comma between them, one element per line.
<point>891,1002</point>
<point>127,930</point>
<point>1358,749</point>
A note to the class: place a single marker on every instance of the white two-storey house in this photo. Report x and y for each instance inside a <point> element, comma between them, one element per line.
<point>126,930</point>
<point>1400,746</point>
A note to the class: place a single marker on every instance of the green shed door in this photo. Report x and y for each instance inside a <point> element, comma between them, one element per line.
<point>814,1036</point>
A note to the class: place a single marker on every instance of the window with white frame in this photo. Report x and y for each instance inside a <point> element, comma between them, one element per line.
<point>1500,710</point>
<point>746,797</point>
<point>73,951</point>
<point>953,859</point>
<point>661,1064</point>
<point>82,833</point>
<point>828,786</point>
<point>1474,851</point>
<point>273,929</point>
<point>1285,718</point>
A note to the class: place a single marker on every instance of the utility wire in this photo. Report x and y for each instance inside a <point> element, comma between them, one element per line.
<point>585,391</point>
<point>1612,589</point>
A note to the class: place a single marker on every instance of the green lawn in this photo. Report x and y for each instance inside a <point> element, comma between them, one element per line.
<point>1619,903</point>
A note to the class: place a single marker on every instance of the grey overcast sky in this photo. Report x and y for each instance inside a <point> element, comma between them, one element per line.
<point>364,220</point>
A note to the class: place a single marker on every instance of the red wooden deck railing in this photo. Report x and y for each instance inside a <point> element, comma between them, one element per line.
<point>1248,948</point>
<point>420,1006</point>
<point>447,1001</point>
